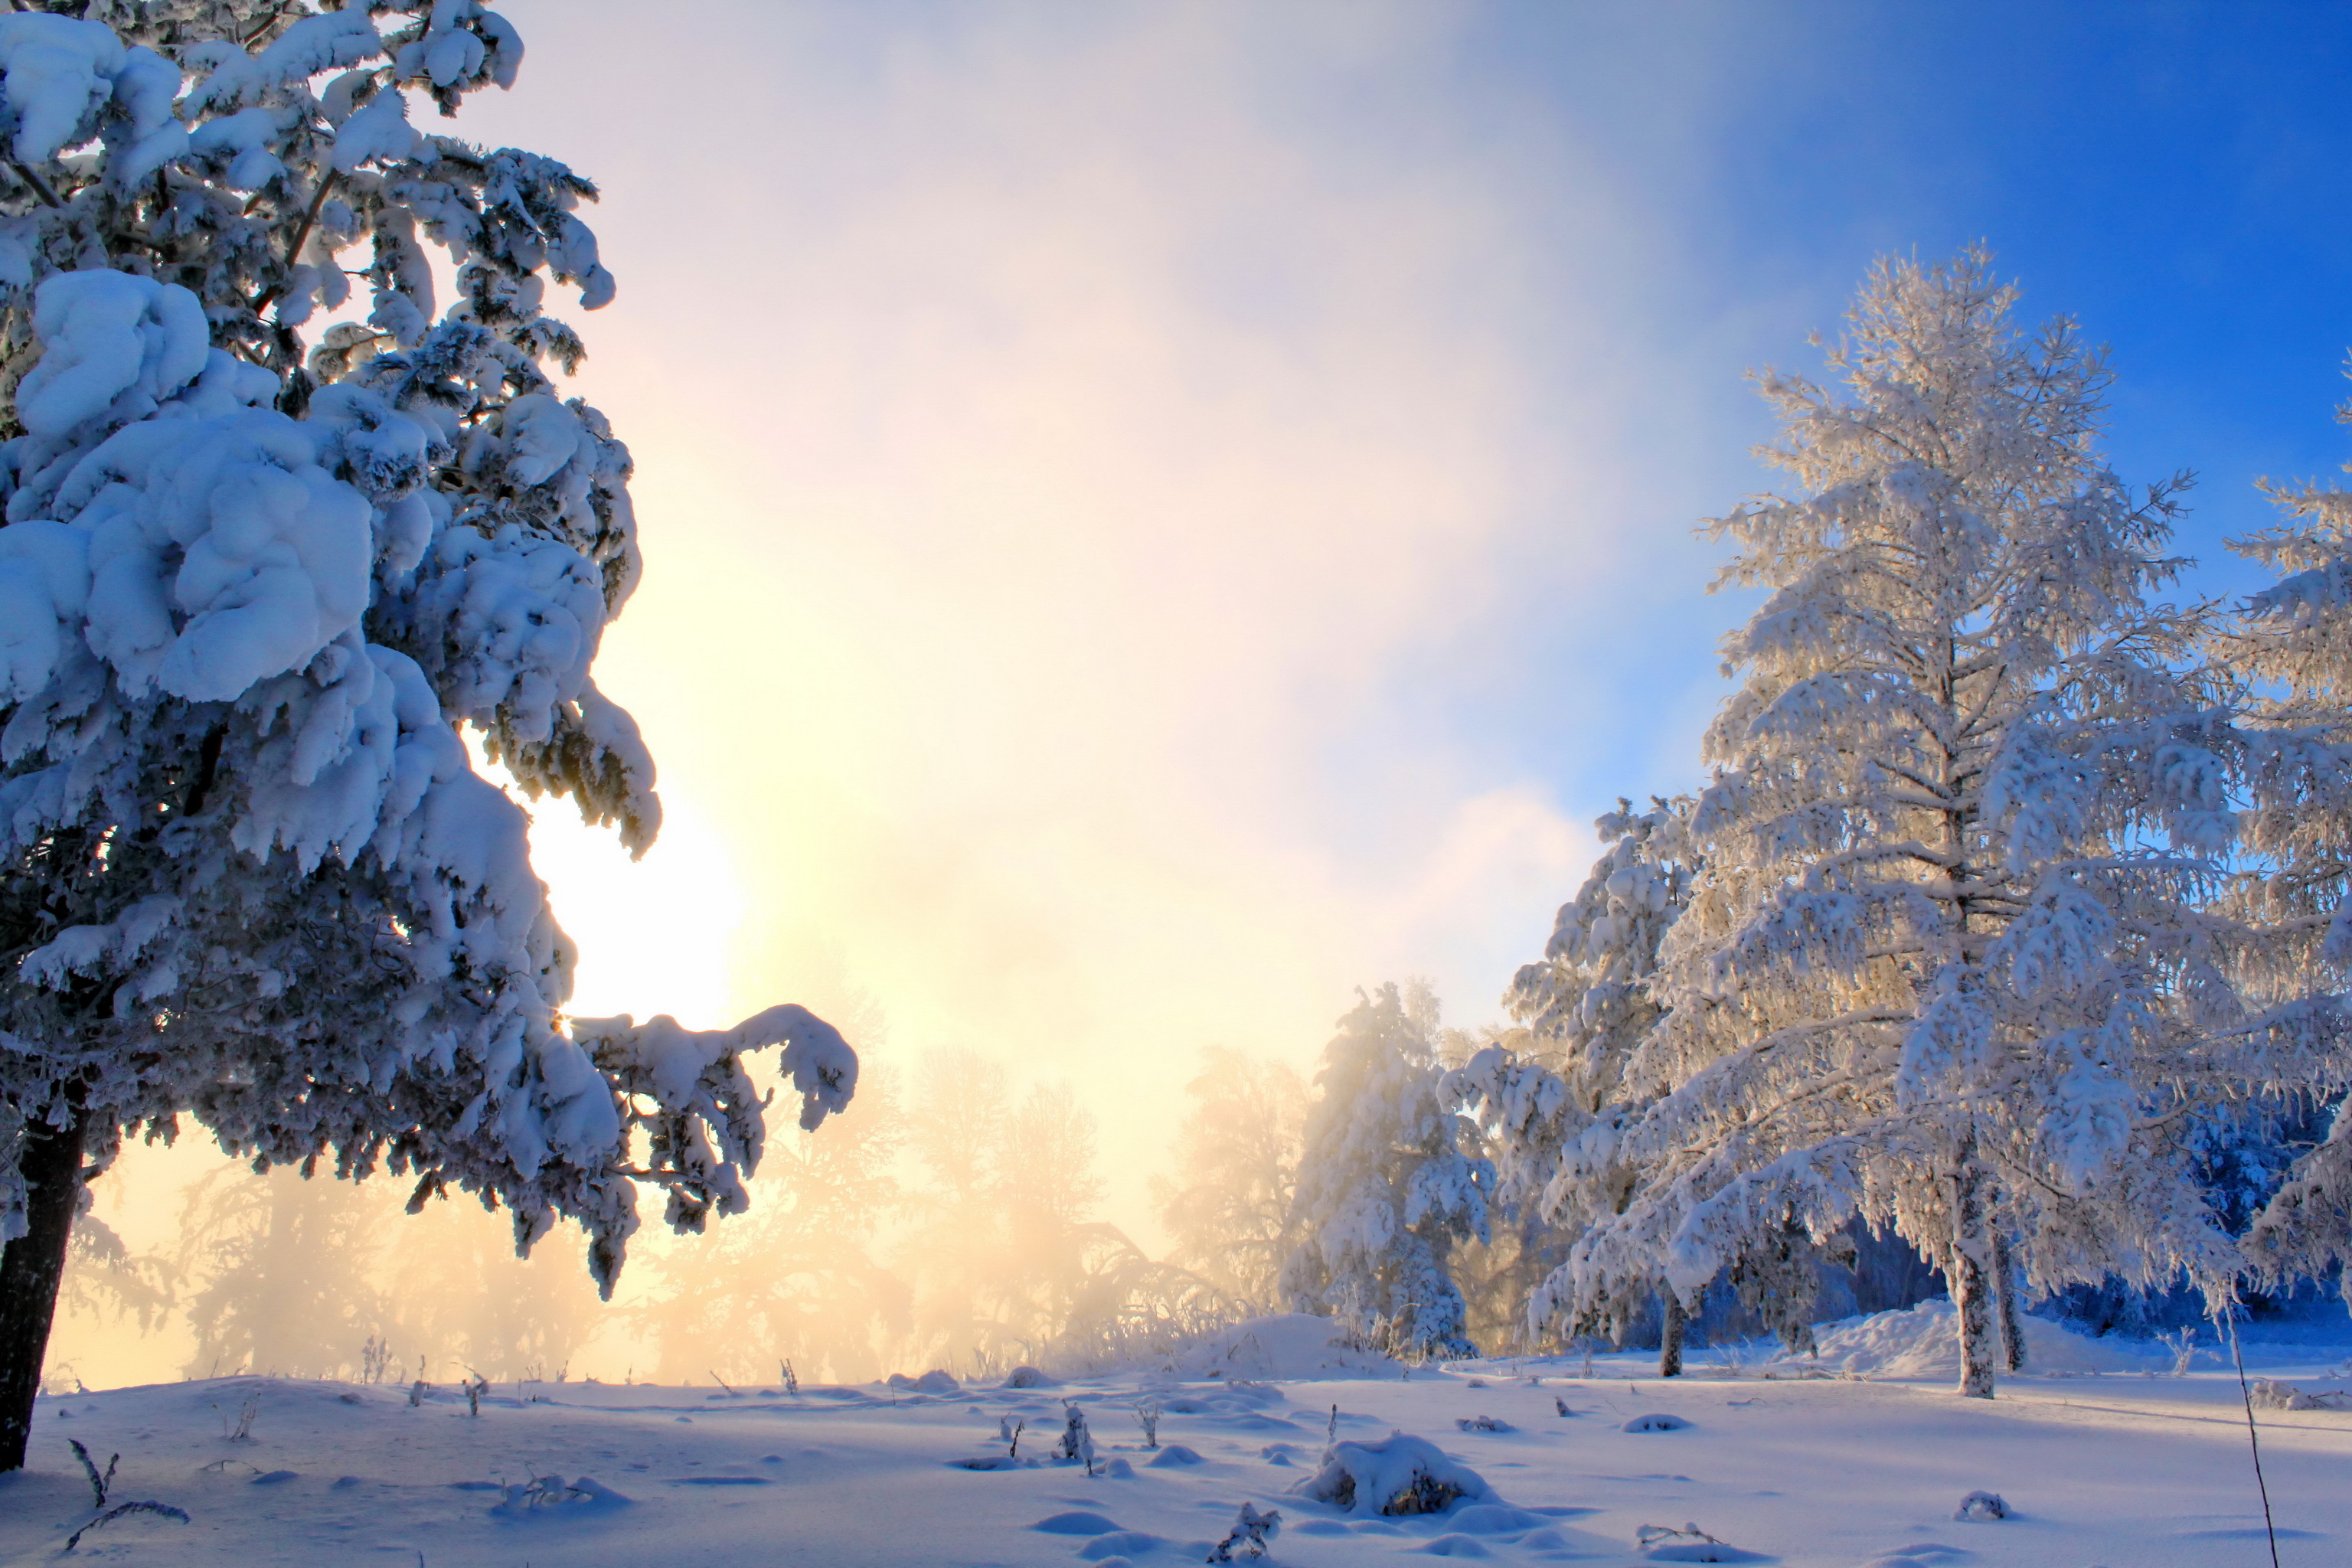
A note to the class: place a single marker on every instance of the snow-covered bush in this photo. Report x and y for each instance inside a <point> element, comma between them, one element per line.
<point>1386,1187</point>
<point>248,590</point>
<point>1253,1535</point>
<point>1398,1475</point>
<point>1077,1445</point>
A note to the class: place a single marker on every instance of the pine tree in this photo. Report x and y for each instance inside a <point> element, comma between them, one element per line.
<point>1949,966</point>
<point>249,587</point>
<point>1385,1187</point>
<point>1555,1107</point>
<point>2290,647</point>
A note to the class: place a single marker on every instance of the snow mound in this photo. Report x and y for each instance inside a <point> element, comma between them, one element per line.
<point>936,1380</point>
<point>1293,1346</point>
<point>1399,1475</point>
<point>1923,1341</point>
<point>1079,1523</point>
<point>1656,1422</point>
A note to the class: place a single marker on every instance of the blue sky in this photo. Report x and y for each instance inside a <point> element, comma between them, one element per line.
<point>2174,176</point>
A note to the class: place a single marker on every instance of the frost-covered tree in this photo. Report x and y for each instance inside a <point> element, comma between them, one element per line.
<point>248,590</point>
<point>1584,1008</point>
<point>1387,1184</point>
<point>1948,967</point>
<point>1237,1167</point>
<point>2290,645</point>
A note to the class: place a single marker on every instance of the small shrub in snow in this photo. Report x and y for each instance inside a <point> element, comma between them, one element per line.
<point>1981,1508</point>
<point>994,1462</point>
<point>475,1386</point>
<point>1561,1406</point>
<point>99,1484</point>
<point>121,1509</point>
<point>1658,1422</point>
<point>1147,1415</point>
<point>416,1392</point>
<point>542,1494</point>
<point>1400,1475</point>
<point>1483,1424</point>
<point>2267,1394</point>
<point>792,1380</point>
<point>1077,1443</point>
<point>242,1431</point>
<point>1252,1535</point>
<point>103,1484</point>
<point>1663,1544</point>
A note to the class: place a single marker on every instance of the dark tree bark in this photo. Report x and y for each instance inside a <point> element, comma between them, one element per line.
<point>31,1267</point>
<point>1670,1333</point>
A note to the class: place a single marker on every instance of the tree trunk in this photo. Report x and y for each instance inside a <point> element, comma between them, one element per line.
<point>2004,1280</point>
<point>31,1267</point>
<point>1972,1284</point>
<point>1670,1333</point>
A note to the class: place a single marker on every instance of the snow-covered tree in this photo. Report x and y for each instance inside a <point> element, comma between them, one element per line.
<point>1949,966</point>
<point>1386,1187</point>
<point>1584,1008</point>
<point>1237,1167</point>
<point>248,588</point>
<point>2291,647</point>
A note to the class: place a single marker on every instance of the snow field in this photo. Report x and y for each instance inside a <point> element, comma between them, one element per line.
<point>2121,1471</point>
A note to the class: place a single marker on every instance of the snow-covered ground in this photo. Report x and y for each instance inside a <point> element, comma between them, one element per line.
<point>2124,1466</point>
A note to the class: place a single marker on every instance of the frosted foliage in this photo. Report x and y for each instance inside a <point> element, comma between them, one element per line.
<point>1948,964</point>
<point>250,588</point>
<point>2290,649</point>
<point>1385,1187</point>
<point>1553,1107</point>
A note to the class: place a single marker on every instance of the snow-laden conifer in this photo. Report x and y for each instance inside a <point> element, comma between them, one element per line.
<point>1946,966</point>
<point>1385,1187</point>
<point>2290,645</point>
<point>249,587</point>
<point>1583,1009</point>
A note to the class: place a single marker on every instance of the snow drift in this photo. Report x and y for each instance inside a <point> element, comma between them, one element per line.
<point>1923,1341</point>
<point>1293,1346</point>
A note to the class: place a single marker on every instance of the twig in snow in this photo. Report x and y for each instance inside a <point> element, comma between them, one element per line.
<point>118,1510</point>
<point>2252,1442</point>
<point>99,1485</point>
